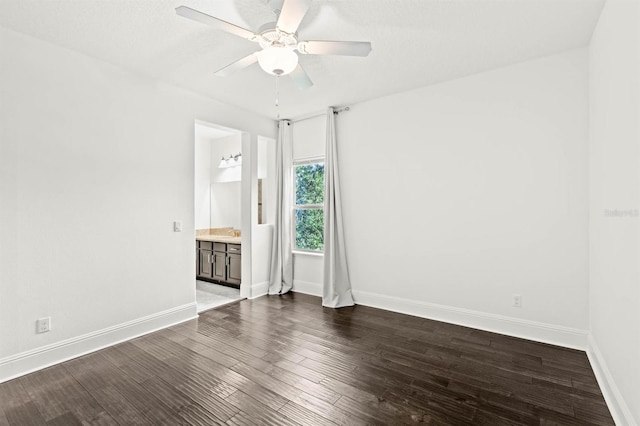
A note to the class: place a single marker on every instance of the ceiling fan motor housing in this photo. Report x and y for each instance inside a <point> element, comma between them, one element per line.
<point>270,35</point>
<point>277,56</point>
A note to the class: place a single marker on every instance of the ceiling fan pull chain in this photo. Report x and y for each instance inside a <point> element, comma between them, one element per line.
<point>278,96</point>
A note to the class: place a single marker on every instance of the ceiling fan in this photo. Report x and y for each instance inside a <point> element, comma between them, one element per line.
<point>279,42</point>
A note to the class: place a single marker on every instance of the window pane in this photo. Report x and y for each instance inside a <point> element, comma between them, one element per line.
<point>309,229</point>
<point>310,183</point>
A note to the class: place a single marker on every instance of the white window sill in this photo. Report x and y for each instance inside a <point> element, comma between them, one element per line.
<point>307,253</point>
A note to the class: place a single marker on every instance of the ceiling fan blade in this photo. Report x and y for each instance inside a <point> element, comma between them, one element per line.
<point>291,15</point>
<point>237,65</point>
<point>187,12</point>
<point>301,78</point>
<point>349,48</point>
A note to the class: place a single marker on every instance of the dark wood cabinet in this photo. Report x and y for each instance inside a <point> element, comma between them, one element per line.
<point>219,266</point>
<point>219,262</point>
<point>204,255</point>
<point>234,268</point>
<point>205,264</point>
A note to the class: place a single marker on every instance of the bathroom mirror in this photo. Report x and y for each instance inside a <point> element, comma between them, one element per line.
<point>225,205</point>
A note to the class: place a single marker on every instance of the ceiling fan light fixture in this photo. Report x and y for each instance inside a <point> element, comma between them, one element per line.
<point>277,60</point>
<point>279,41</point>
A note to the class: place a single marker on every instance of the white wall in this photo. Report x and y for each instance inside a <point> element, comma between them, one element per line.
<point>266,172</point>
<point>261,258</point>
<point>458,196</point>
<point>309,137</point>
<point>95,165</point>
<point>266,150</point>
<point>262,240</point>
<point>615,184</point>
<point>202,172</point>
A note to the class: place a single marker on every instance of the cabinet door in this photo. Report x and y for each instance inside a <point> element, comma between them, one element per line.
<point>220,266</point>
<point>205,258</point>
<point>234,268</point>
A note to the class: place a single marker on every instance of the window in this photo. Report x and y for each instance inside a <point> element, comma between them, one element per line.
<point>308,210</point>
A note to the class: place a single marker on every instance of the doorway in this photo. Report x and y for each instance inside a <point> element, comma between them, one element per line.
<point>218,194</point>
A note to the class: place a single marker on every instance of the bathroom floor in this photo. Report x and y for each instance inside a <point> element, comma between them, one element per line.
<point>209,295</point>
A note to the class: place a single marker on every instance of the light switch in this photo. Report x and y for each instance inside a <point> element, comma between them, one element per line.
<point>177,226</point>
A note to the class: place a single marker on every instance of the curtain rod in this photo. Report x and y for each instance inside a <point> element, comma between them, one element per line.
<point>317,114</point>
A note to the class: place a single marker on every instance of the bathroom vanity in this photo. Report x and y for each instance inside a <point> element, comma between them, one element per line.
<point>219,259</point>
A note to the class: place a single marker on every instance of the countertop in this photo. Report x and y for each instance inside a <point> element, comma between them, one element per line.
<point>219,238</point>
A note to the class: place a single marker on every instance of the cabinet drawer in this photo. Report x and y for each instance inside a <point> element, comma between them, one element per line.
<point>234,248</point>
<point>219,247</point>
<point>206,245</point>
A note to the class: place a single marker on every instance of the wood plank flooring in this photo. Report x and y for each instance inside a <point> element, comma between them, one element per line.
<point>285,360</point>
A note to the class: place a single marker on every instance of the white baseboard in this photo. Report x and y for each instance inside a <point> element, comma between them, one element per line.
<point>46,356</point>
<point>531,330</point>
<point>259,289</point>
<point>615,401</point>
<point>306,287</point>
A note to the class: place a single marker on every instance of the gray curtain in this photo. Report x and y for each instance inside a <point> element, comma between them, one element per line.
<point>281,257</point>
<point>336,288</point>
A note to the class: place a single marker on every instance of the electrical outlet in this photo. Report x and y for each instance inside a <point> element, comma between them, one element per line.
<point>43,325</point>
<point>177,226</point>
<point>517,301</point>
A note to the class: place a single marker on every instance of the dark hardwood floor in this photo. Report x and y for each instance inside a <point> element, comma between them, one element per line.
<point>286,360</point>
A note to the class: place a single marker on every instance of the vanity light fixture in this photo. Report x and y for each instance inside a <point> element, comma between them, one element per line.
<point>231,161</point>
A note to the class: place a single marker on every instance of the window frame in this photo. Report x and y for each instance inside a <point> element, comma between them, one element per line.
<point>295,207</point>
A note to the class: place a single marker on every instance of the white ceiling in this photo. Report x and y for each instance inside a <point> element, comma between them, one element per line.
<point>210,131</point>
<point>415,42</point>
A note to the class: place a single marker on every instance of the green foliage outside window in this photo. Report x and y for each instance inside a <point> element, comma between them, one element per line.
<point>309,199</point>
<point>310,229</point>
